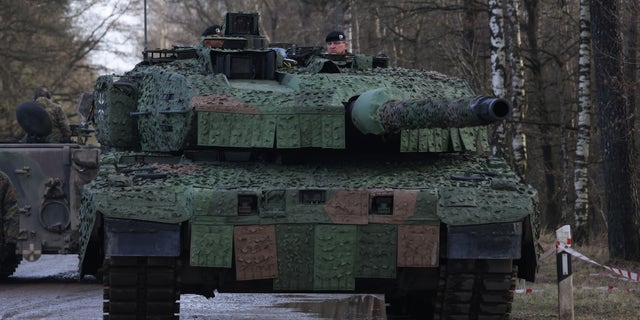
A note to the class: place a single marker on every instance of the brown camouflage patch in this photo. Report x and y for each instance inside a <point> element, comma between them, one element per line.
<point>255,249</point>
<point>222,103</point>
<point>348,207</point>
<point>418,245</point>
<point>213,43</point>
<point>404,205</point>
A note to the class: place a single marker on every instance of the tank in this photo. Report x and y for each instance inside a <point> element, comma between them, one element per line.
<point>239,166</point>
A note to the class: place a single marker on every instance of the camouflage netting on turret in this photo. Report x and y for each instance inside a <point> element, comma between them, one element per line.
<point>113,105</point>
<point>179,106</point>
<point>307,110</point>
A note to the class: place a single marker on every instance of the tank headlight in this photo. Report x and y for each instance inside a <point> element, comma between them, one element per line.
<point>382,205</point>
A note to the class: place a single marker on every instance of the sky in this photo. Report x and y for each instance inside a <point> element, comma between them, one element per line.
<point>129,51</point>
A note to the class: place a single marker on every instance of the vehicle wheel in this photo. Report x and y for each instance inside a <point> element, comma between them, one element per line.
<point>140,288</point>
<point>9,260</point>
<point>475,289</point>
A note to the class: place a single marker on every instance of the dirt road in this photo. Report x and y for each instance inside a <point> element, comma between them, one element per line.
<point>49,289</point>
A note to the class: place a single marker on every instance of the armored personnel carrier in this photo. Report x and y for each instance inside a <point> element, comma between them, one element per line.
<point>242,167</point>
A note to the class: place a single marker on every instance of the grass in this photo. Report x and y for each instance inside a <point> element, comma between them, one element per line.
<point>597,293</point>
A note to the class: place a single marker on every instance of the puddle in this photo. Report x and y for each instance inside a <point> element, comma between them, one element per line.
<point>340,307</point>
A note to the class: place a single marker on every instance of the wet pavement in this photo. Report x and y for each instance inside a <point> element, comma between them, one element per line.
<point>49,289</point>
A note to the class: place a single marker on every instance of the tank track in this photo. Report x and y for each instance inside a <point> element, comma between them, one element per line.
<point>475,290</point>
<point>140,288</point>
<point>9,261</point>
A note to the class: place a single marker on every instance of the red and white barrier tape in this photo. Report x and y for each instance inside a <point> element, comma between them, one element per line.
<point>601,288</point>
<point>527,291</point>
<point>546,254</point>
<point>607,288</point>
<point>633,276</point>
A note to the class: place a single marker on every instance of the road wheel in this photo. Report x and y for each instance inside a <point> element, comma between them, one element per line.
<point>141,288</point>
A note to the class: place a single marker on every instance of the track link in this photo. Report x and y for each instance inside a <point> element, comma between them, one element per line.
<point>141,288</point>
<point>475,290</point>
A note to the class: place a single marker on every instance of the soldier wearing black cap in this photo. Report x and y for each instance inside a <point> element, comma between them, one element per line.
<point>213,31</point>
<point>336,43</point>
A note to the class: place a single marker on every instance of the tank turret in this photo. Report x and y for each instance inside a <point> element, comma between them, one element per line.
<point>242,99</point>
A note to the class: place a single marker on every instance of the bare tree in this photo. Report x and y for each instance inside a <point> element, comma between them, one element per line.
<point>536,64</point>
<point>41,43</point>
<point>613,113</point>
<point>631,83</point>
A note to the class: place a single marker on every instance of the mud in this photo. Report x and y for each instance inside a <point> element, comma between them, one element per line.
<point>50,289</point>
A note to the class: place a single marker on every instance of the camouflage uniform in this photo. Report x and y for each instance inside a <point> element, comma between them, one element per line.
<point>8,211</point>
<point>60,124</point>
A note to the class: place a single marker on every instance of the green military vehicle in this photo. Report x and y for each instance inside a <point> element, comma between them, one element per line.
<point>242,167</point>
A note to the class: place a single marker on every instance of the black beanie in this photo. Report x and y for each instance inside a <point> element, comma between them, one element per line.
<point>335,36</point>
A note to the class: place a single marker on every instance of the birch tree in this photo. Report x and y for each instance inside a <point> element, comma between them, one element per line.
<point>519,142</point>
<point>496,27</point>
<point>583,138</point>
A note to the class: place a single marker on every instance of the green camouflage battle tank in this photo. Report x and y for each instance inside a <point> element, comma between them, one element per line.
<point>240,167</point>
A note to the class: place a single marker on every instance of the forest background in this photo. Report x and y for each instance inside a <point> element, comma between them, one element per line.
<point>556,141</point>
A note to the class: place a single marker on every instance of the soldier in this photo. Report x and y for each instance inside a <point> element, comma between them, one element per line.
<point>213,31</point>
<point>336,43</point>
<point>8,213</point>
<point>60,124</point>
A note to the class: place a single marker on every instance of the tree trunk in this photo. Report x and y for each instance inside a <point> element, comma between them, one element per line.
<point>631,46</point>
<point>519,142</point>
<point>583,138</point>
<point>616,131</point>
<point>551,214</point>
<point>496,26</point>
<point>632,9</point>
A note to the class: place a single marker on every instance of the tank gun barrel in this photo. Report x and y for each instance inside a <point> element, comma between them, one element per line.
<point>376,112</point>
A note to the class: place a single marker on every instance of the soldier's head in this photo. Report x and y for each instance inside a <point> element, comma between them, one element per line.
<point>212,31</point>
<point>336,42</point>
<point>41,91</point>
